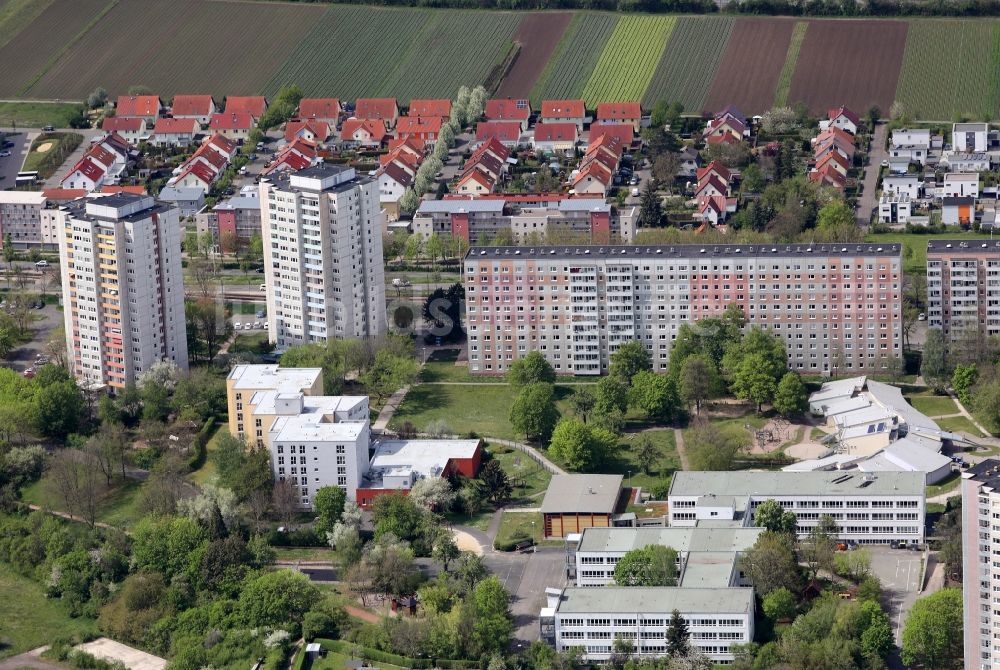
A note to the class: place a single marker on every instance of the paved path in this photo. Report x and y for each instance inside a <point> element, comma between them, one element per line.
<point>69,517</point>
<point>364,615</point>
<point>867,203</point>
<point>29,659</point>
<point>964,412</point>
<point>390,407</point>
<point>681,452</point>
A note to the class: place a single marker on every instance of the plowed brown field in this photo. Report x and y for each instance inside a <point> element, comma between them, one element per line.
<point>748,74</point>
<point>853,63</point>
<point>538,35</point>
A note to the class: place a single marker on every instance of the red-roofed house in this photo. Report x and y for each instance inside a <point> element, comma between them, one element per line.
<point>564,111</point>
<point>835,138</point>
<point>716,168</point>
<point>594,178</point>
<point>843,118</point>
<point>424,128</point>
<point>378,109</point>
<point>727,128</point>
<point>134,190</point>
<point>726,137</point>
<point>101,164</point>
<point>320,109</point>
<point>508,109</point>
<point>828,176</point>
<point>714,209</point>
<point>835,160</point>
<point>430,108</point>
<point>710,185</point>
<point>222,145</point>
<point>363,132</point>
<point>491,147</point>
<point>507,133</point>
<point>295,156</point>
<point>87,174</point>
<point>411,148</point>
<point>314,130</point>
<point>555,137</point>
<point>393,179</point>
<point>142,106</point>
<point>64,194</point>
<point>233,125</point>
<point>195,175</point>
<point>254,105</point>
<point>197,107</point>
<point>174,132</point>
<point>205,164</point>
<point>132,129</point>
<point>475,182</point>
<point>620,112</point>
<point>620,131</point>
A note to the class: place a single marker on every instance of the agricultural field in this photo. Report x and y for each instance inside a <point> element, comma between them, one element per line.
<point>538,35</point>
<point>629,59</point>
<point>16,14</point>
<point>935,88</point>
<point>791,58</point>
<point>574,58</point>
<point>748,75</point>
<point>689,62</point>
<point>835,52</point>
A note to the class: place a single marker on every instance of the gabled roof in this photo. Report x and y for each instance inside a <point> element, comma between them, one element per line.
<point>430,107</point>
<point>832,156</point>
<point>376,108</point>
<point>728,124</point>
<point>505,131</point>
<point>165,126</point>
<point>101,155</point>
<point>716,167</point>
<point>411,125</point>
<point>828,175</point>
<point>64,194</point>
<point>618,111</point>
<point>319,108</point>
<point>199,170</point>
<point>123,123</point>
<point>727,137</point>
<point>254,105</point>
<point>713,180</point>
<point>596,171</point>
<point>732,111</point>
<point>507,109</point>
<point>832,114</point>
<point>374,127</point>
<point>491,146</point>
<point>231,121</point>
<point>88,167</point>
<point>319,129</point>
<point>111,189</point>
<point>396,172</point>
<point>412,145</point>
<point>222,144</point>
<point>555,132</point>
<point>605,142</point>
<point>479,176</point>
<point>623,132</point>
<point>192,105</point>
<point>137,105</point>
<point>835,133</point>
<point>485,162</point>
<point>116,143</point>
<point>563,109</point>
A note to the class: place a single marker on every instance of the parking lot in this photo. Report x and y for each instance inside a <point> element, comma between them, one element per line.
<point>899,570</point>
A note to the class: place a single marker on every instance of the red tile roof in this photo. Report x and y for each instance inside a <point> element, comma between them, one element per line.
<point>563,109</point>
<point>441,108</point>
<point>319,129</point>
<point>101,155</point>
<point>555,132</point>
<point>623,132</point>
<point>376,108</point>
<point>838,111</point>
<point>492,146</point>
<point>254,105</point>
<point>507,109</point>
<point>479,176</point>
<point>122,123</point>
<point>231,121</point>
<point>135,190</point>
<point>374,127</point>
<point>714,181</point>
<point>222,144</point>
<point>137,105</point>
<point>199,170</point>
<point>412,125</point>
<point>718,168</point>
<point>319,108</point>
<point>165,126</point>
<point>835,157</point>
<point>88,167</point>
<point>64,194</point>
<point>728,123</point>
<point>726,138</point>
<point>505,131</point>
<point>619,111</point>
<point>828,176</point>
<point>413,145</point>
<point>596,171</point>
<point>485,163</point>
<point>191,105</point>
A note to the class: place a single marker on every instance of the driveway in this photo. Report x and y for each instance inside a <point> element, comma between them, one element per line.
<point>867,203</point>
<point>545,568</point>
<point>899,571</point>
<point>49,319</point>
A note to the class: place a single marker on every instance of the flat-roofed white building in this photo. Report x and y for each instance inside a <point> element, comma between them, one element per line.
<point>396,465</point>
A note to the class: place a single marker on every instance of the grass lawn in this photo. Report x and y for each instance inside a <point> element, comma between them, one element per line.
<point>206,473</point>
<point>959,424</point>
<point>48,151</point>
<point>527,476</point>
<point>118,507</point>
<point>623,461</point>
<point>30,619</point>
<point>305,553</point>
<point>949,483</point>
<point>336,661</point>
<point>520,524</point>
<point>479,521</point>
<point>915,246</point>
<point>933,405</point>
<point>38,114</point>
<point>253,342</point>
<point>736,425</point>
<point>464,409</point>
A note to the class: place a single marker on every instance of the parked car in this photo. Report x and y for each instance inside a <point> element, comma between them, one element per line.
<point>4,154</point>
<point>29,373</point>
<point>258,325</point>
<point>42,264</point>
<point>263,288</point>
<point>260,314</point>
<point>48,129</point>
<point>237,326</point>
<point>921,317</point>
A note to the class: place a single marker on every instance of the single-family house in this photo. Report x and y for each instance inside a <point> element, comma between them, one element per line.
<point>690,162</point>
<point>221,145</point>
<point>958,184</point>
<point>507,133</point>
<point>493,148</point>
<point>555,137</point>
<point>205,165</point>
<point>621,132</point>
<point>843,118</point>
<point>894,208</point>
<point>565,111</point>
<point>132,129</point>
<point>146,107</point>
<point>232,125</point>
<point>726,127</point>
<point>970,137</point>
<point>175,132</point>
<point>957,161</point>
<point>430,108</point>
<point>620,112</point>
<point>197,107</point>
<point>254,105</point>
<point>102,164</point>
<point>377,109</point>
<point>913,144</point>
<point>320,109</point>
<point>712,185</point>
<point>727,137</point>
<point>369,133</point>
<point>594,178</point>
<point>294,156</point>
<point>836,139</point>
<point>835,160</point>
<point>905,184</point>
<point>717,169</point>
<point>508,109</point>
<point>411,151</point>
<point>425,128</point>
<point>828,176</point>
<point>393,180</point>
<point>475,181</point>
<point>958,211</point>
<point>714,209</point>
<point>315,130</point>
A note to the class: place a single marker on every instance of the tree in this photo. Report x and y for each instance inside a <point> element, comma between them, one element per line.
<point>432,493</point>
<point>97,98</point>
<point>531,369</point>
<point>533,412</point>
<point>328,504</point>
<point>389,373</point>
<point>108,448</point>
<point>699,380</point>
<point>754,382</point>
<point>580,447</point>
<point>275,598</point>
<point>712,449</point>
<point>791,397</point>
<point>445,550</point>
<point>770,563</point>
<point>677,635</point>
<point>396,514</point>
<point>493,624</point>
<point>877,641</point>
<point>819,547</point>
<point>582,401</point>
<point>652,565</point>
<point>932,636</point>
<point>630,359</point>
<point>963,378</point>
<point>779,604</point>
<point>285,501</point>
<point>934,364</point>
<point>647,453</point>
<point>665,169</point>
<point>772,516</point>
<point>495,482</point>
<point>60,408</point>
<point>76,480</point>
<point>655,394</point>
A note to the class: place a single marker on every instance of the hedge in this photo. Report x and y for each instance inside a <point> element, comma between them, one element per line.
<point>200,445</point>
<point>347,648</point>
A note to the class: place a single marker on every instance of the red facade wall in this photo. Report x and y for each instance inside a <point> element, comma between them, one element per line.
<point>600,228</point>
<point>227,229</point>
<point>460,225</point>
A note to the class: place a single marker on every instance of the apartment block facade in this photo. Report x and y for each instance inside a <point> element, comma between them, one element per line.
<point>123,293</point>
<point>232,223</point>
<point>837,307</point>
<point>981,565</point>
<point>322,232</point>
<point>28,219</point>
<point>963,287</point>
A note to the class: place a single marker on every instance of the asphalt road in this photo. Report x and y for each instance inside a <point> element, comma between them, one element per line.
<point>49,319</point>
<point>11,165</point>
<point>899,572</point>
<point>868,203</point>
<point>545,568</point>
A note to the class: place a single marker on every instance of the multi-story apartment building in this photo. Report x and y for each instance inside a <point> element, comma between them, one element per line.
<point>232,223</point>
<point>882,508</point>
<point>123,294</point>
<point>835,306</point>
<point>963,287</point>
<point>589,619</point>
<point>22,218</point>
<point>246,381</point>
<point>981,564</point>
<point>322,232</point>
